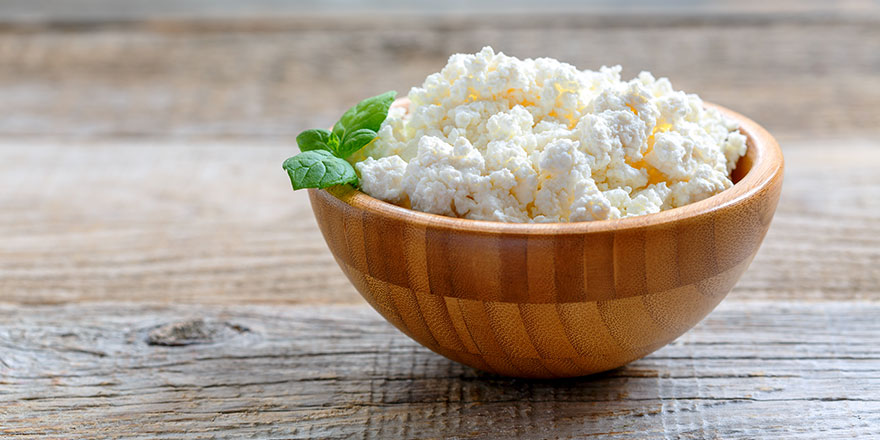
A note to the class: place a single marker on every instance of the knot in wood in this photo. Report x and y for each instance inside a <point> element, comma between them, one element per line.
<point>193,331</point>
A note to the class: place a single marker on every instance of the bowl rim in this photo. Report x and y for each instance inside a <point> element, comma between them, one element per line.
<point>767,167</point>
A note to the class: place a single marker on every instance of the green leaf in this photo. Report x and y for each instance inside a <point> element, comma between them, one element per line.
<point>317,139</point>
<point>355,140</point>
<point>367,114</point>
<point>322,163</point>
<point>318,169</point>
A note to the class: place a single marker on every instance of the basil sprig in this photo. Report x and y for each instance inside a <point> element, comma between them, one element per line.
<point>322,163</point>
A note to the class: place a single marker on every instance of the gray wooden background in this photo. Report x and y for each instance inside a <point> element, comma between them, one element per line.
<point>158,278</point>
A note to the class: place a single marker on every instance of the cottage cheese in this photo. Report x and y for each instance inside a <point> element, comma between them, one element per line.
<point>493,137</point>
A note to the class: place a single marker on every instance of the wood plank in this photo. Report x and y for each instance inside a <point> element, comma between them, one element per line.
<point>217,223</point>
<point>104,10</point>
<point>799,75</point>
<point>793,369</point>
<point>144,219</point>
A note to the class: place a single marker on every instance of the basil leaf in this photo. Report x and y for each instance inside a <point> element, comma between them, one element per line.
<point>322,161</point>
<point>316,139</point>
<point>354,141</point>
<point>367,114</point>
<point>318,169</point>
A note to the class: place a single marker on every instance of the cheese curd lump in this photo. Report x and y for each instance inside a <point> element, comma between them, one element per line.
<point>493,137</point>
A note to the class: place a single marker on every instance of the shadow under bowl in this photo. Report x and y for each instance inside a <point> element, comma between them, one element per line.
<point>554,299</point>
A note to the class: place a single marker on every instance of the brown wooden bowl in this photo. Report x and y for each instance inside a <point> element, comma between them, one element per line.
<point>554,299</point>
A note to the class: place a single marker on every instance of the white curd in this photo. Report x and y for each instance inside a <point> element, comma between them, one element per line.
<point>493,137</point>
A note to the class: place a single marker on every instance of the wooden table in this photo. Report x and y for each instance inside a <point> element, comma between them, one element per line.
<point>158,278</point>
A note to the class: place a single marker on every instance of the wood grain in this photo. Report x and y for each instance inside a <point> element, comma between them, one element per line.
<point>544,316</point>
<point>217,223</point>
<point>751,369</point>
<point>137,155</point>
<point>84,12</point>
<point>798,74</point>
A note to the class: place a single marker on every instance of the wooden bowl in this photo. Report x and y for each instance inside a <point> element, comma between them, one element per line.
<point>557,299</point>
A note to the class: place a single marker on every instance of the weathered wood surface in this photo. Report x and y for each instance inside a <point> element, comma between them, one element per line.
<point>209,224</point>
<point>218,223</point>
<point>797,73</point>
<point>751,369</point>
<point>140,187</point>
<point>100,11</point>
